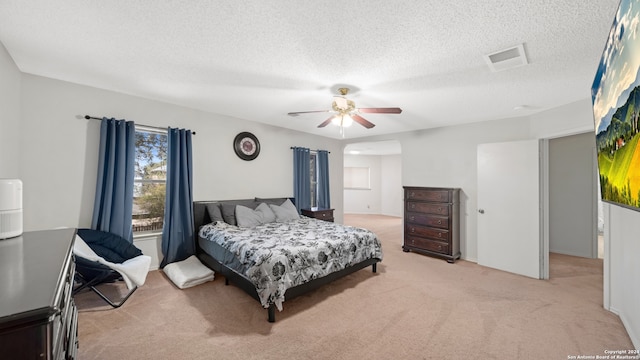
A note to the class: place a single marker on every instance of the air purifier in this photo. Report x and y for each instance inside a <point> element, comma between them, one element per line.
<point>10,208</point>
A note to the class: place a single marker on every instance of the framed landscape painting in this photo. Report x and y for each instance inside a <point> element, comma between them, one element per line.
<point>616,108</point>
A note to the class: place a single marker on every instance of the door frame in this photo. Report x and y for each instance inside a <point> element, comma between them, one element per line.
<point>544,208</point>
<point>545,201</point>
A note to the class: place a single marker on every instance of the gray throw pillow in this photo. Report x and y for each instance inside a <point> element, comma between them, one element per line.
<point>250,218</point>
<point>214,212</point>
<point>285,212</point>
<point>229,213</point>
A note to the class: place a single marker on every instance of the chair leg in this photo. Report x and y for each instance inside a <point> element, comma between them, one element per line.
<point>91,285</point>
<point>105,298</point>
<point>84,283</point>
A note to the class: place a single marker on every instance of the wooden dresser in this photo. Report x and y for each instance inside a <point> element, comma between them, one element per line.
<point>38,319</point>
<point>432,221</point>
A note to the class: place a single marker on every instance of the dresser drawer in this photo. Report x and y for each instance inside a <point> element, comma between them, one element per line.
<point>435,195</point>
<point>321,214</point>
<point>426,244</point>
<point>438,221</point>
<point>428,208</point>
<point>324,214</point>
<point>427,232</point>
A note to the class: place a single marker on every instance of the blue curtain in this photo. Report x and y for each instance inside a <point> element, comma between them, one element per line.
<point>177,232</point>
<point>301,178</point>
<point>324,199</point>
<point>113,203</point>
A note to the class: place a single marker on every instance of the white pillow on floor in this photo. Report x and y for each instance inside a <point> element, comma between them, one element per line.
<point>187,273</point>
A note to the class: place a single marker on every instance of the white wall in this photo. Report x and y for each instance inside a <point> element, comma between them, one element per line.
<point>9,116</point>
<point>385,195</point>
<point>391,202</point>
<point>622,267</point>
<point>574,118</point>
<point>58,152</point>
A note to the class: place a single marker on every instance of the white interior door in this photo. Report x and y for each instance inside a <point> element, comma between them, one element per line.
<point>509,236</point>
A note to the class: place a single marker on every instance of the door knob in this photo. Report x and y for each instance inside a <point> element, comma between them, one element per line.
<point>481,211</point>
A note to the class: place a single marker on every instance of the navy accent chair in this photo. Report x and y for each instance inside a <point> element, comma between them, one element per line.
<point>110,247</point>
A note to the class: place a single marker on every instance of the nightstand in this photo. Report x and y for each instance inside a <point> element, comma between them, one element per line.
<point>320,214</point>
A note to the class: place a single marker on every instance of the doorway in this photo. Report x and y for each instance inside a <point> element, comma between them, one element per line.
<point>573,205</point>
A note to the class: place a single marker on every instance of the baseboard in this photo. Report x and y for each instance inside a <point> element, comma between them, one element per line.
<point>635,340</point>
<point>392,215</point>
<point>586,256</point>
<point>371,213</point>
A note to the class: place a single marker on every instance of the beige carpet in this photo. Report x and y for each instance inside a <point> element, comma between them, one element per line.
<point>414,307</point>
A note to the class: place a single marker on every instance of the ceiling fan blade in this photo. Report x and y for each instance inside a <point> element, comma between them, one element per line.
<point>362,121</point>
<point>326,122</point>
<point>296,113</point>
<point>394,110</point>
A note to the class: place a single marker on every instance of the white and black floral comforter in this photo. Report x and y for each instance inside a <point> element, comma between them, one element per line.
<point>279,256</point>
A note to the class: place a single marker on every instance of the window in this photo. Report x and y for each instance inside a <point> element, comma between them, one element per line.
<point>150,180</point>
<point>313,175</point>
<point>357,178</point>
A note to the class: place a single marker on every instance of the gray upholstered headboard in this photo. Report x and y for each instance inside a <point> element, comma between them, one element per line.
<point>201,215</point>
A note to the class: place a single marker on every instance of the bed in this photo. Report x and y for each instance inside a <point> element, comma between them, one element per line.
<point>260,246</point>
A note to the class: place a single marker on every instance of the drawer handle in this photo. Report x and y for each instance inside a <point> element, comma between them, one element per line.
<point>439,209</point>
<point>413,230</point>
<point>439,235</point>
<point>413,206</point>
<point>439,222</point>
<point>412,194</point>
<point>412,218</point>
<point>439,247</point>
<point>324,215</point>
<point>412,242</point>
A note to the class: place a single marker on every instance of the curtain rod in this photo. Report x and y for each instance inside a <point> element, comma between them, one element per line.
<point>293,147</point>
<point>147,126</point>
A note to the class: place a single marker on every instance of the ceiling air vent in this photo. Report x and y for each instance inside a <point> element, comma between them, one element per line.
<point>507,59</point>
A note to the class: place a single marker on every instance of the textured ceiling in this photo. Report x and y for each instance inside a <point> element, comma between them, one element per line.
<point>259,60</point>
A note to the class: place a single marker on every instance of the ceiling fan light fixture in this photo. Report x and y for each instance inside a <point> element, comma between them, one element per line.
<point>342,120</point>
<point>340,102</point>
<point>344,112</point>
<point>347,120</point>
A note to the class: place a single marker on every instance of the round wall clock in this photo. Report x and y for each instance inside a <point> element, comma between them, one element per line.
<point>246,146</point>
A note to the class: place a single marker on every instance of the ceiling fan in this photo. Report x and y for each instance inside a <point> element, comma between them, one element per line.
<point>345,112</point>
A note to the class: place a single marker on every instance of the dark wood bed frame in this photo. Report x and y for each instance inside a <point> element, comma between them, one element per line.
<point>201,217</point>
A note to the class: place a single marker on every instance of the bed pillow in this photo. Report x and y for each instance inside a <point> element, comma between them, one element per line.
<point>229,213</point>
<point>285,212</point>
<point>250,218</point>
<point>214,212</point>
